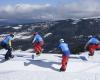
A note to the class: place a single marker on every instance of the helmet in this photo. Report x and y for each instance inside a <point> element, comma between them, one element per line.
<point>90,36</point>
<point>10,32</point>
<point>34,33</point>
<point>61,40</point>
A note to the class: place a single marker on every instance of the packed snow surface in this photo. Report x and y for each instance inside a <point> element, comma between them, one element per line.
<point>46,67</point>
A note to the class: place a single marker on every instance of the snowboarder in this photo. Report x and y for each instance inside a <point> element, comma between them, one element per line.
<point>37,43</point>
<point>92,45</point>
<point>63,47</point>
<point>7,44</point>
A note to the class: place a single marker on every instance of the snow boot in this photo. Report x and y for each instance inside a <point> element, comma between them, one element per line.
<point>7,58</point>
<point>38,54</point>
<point>61,69</point>
<point>91,54</point>
<point>12,56</point>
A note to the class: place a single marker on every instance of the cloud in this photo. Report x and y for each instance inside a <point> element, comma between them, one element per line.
<point>88,8</point>
<point>63,10</point>
<point>20,11</point>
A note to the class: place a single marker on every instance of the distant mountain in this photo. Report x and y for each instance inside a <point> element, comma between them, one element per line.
<point>75,33</point>
<point>20,21</point>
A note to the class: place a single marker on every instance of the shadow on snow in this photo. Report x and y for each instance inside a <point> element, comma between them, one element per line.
<point>42,63</point>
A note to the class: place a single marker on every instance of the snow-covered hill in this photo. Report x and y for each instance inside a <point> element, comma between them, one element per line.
<point>46,67</point>
<point>74,31</point>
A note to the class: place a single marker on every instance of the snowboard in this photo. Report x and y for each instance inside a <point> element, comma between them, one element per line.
<point>19,55</point>
<point>84,57</point>
<point>4,60</point>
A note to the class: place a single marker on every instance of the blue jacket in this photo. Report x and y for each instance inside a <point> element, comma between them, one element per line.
<point>37,38</point>
<point>64,48</point>
<point>93,41</point>
<point>7,40</point>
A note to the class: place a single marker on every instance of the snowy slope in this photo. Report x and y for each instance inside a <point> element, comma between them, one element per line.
<point>46,67</point>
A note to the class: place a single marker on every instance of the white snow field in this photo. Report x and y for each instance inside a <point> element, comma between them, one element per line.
<point>46,67</point>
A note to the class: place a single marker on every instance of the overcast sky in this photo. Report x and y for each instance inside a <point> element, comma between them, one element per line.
<point>48,9</point>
